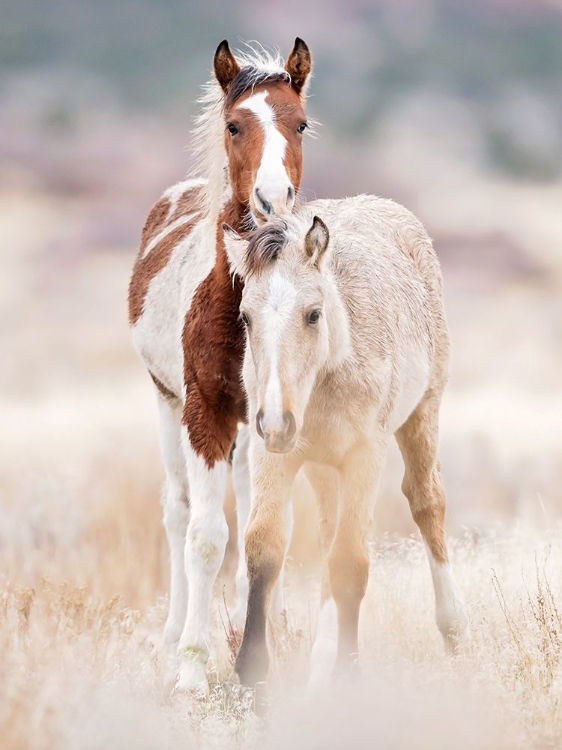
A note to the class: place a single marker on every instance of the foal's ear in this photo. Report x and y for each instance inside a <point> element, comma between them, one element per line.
<point>225,65</point>
<point>299,65</point>
<point>235,248</point>
<point>316,241</point>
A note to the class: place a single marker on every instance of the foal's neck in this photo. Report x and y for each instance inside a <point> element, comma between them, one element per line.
<point>337,318</point>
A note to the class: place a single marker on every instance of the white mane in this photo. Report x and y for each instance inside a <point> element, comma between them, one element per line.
<point>210,158</point>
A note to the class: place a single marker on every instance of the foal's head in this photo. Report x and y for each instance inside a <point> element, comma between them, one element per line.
<point>264,123</point>
<point>288,298</point>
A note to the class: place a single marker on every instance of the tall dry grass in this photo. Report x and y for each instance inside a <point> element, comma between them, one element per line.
<point>83,560</point>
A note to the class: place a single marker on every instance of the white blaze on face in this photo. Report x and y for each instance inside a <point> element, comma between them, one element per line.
<point>282,297</point>
<point>272,181</point>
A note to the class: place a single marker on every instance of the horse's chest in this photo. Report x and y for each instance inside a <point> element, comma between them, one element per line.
<point>213,344</point>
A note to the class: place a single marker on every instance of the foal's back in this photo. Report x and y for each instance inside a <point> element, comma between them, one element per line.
<point>389,277</point>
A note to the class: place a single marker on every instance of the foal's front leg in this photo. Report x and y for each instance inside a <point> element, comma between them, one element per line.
<point>272,477</point>
<point>348,560</point>
<point>207,535</point>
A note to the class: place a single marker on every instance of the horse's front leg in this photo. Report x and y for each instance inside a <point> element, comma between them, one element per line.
<point>207,535</point>
<point>272,477</point>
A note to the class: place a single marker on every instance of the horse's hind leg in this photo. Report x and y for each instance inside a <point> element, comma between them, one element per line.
<point>325,482</point>
<point>422,485</point>
<point>175,504</point>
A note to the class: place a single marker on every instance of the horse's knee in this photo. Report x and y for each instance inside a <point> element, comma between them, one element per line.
<point>207,536</point>
<point>175,507</point>
<point>265,550</point>
<point>349,573</point>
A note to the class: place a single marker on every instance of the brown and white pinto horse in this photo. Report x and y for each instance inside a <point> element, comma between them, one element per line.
<point>347,345</point>
<point>184,314</point>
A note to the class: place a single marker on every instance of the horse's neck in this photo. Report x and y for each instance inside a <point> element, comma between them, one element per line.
<point>232,213</point>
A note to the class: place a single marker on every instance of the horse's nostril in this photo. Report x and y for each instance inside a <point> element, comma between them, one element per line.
<point>259,425</point>
<point>263,205</point>
<point>290,425</point>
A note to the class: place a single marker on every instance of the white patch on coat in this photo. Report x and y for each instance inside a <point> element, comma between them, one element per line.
<point>157,333</point>
<point>449,607</point>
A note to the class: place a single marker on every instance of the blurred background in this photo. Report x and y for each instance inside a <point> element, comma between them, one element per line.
<point>451,108</point>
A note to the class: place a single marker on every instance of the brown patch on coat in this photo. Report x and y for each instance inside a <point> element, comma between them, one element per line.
<point>154,222</point>
<point>213,347</point>
<point>147,266</point>
<point>187,203</point>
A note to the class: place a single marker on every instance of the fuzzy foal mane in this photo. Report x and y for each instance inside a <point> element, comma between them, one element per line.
<point>257,66</point>
<point>264,246</point>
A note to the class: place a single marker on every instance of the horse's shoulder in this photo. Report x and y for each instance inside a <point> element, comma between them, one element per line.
<point>170,221</point>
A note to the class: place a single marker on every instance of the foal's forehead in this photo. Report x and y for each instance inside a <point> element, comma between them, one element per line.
<point>287,282</point>
<point>273,99</point>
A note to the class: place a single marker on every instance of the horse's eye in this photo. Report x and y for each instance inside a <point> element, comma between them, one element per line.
<point>313,317</point>
<point>302,127</point>
<point>245,319</point>
<point>231,127</point>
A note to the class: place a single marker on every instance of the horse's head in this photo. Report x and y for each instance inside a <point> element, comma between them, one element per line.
<point>296,325</point>
<point>264,121</point>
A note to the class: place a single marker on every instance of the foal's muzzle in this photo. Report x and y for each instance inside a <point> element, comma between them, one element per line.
<point>280,440</point>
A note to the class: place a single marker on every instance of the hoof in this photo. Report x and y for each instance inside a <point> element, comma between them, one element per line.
<point>251,665</point>
<point>192,677</point>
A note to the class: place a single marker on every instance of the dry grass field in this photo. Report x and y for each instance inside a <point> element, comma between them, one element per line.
<point>83,561</point>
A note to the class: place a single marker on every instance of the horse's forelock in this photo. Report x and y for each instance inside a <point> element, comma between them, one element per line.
<point>264,247</point>
<point>249,77</point>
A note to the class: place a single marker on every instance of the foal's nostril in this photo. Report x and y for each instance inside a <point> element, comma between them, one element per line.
<point>290,425</point>
<point>264,206</point>
<point>259,423</point>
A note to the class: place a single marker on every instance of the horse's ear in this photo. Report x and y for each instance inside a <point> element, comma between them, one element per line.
<point>316,241</point>
<point>225,65</point>
<point>235,248</point>
<point>299,65</point>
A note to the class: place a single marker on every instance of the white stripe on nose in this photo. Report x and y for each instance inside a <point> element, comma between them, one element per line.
<point>280,305</point>
<point>273,191</point>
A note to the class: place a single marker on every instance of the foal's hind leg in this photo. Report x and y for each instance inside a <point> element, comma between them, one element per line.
<point>176,515</point>
<point>325,482</point>
<point>423,487</point>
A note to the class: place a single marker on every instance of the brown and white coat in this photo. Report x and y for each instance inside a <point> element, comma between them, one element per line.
<point>184,315</point>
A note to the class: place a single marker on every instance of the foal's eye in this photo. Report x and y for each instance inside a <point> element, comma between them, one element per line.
<point>231,127</point>
<point>245,319</point>
<point>302,127</point>
<point>313,317</point>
